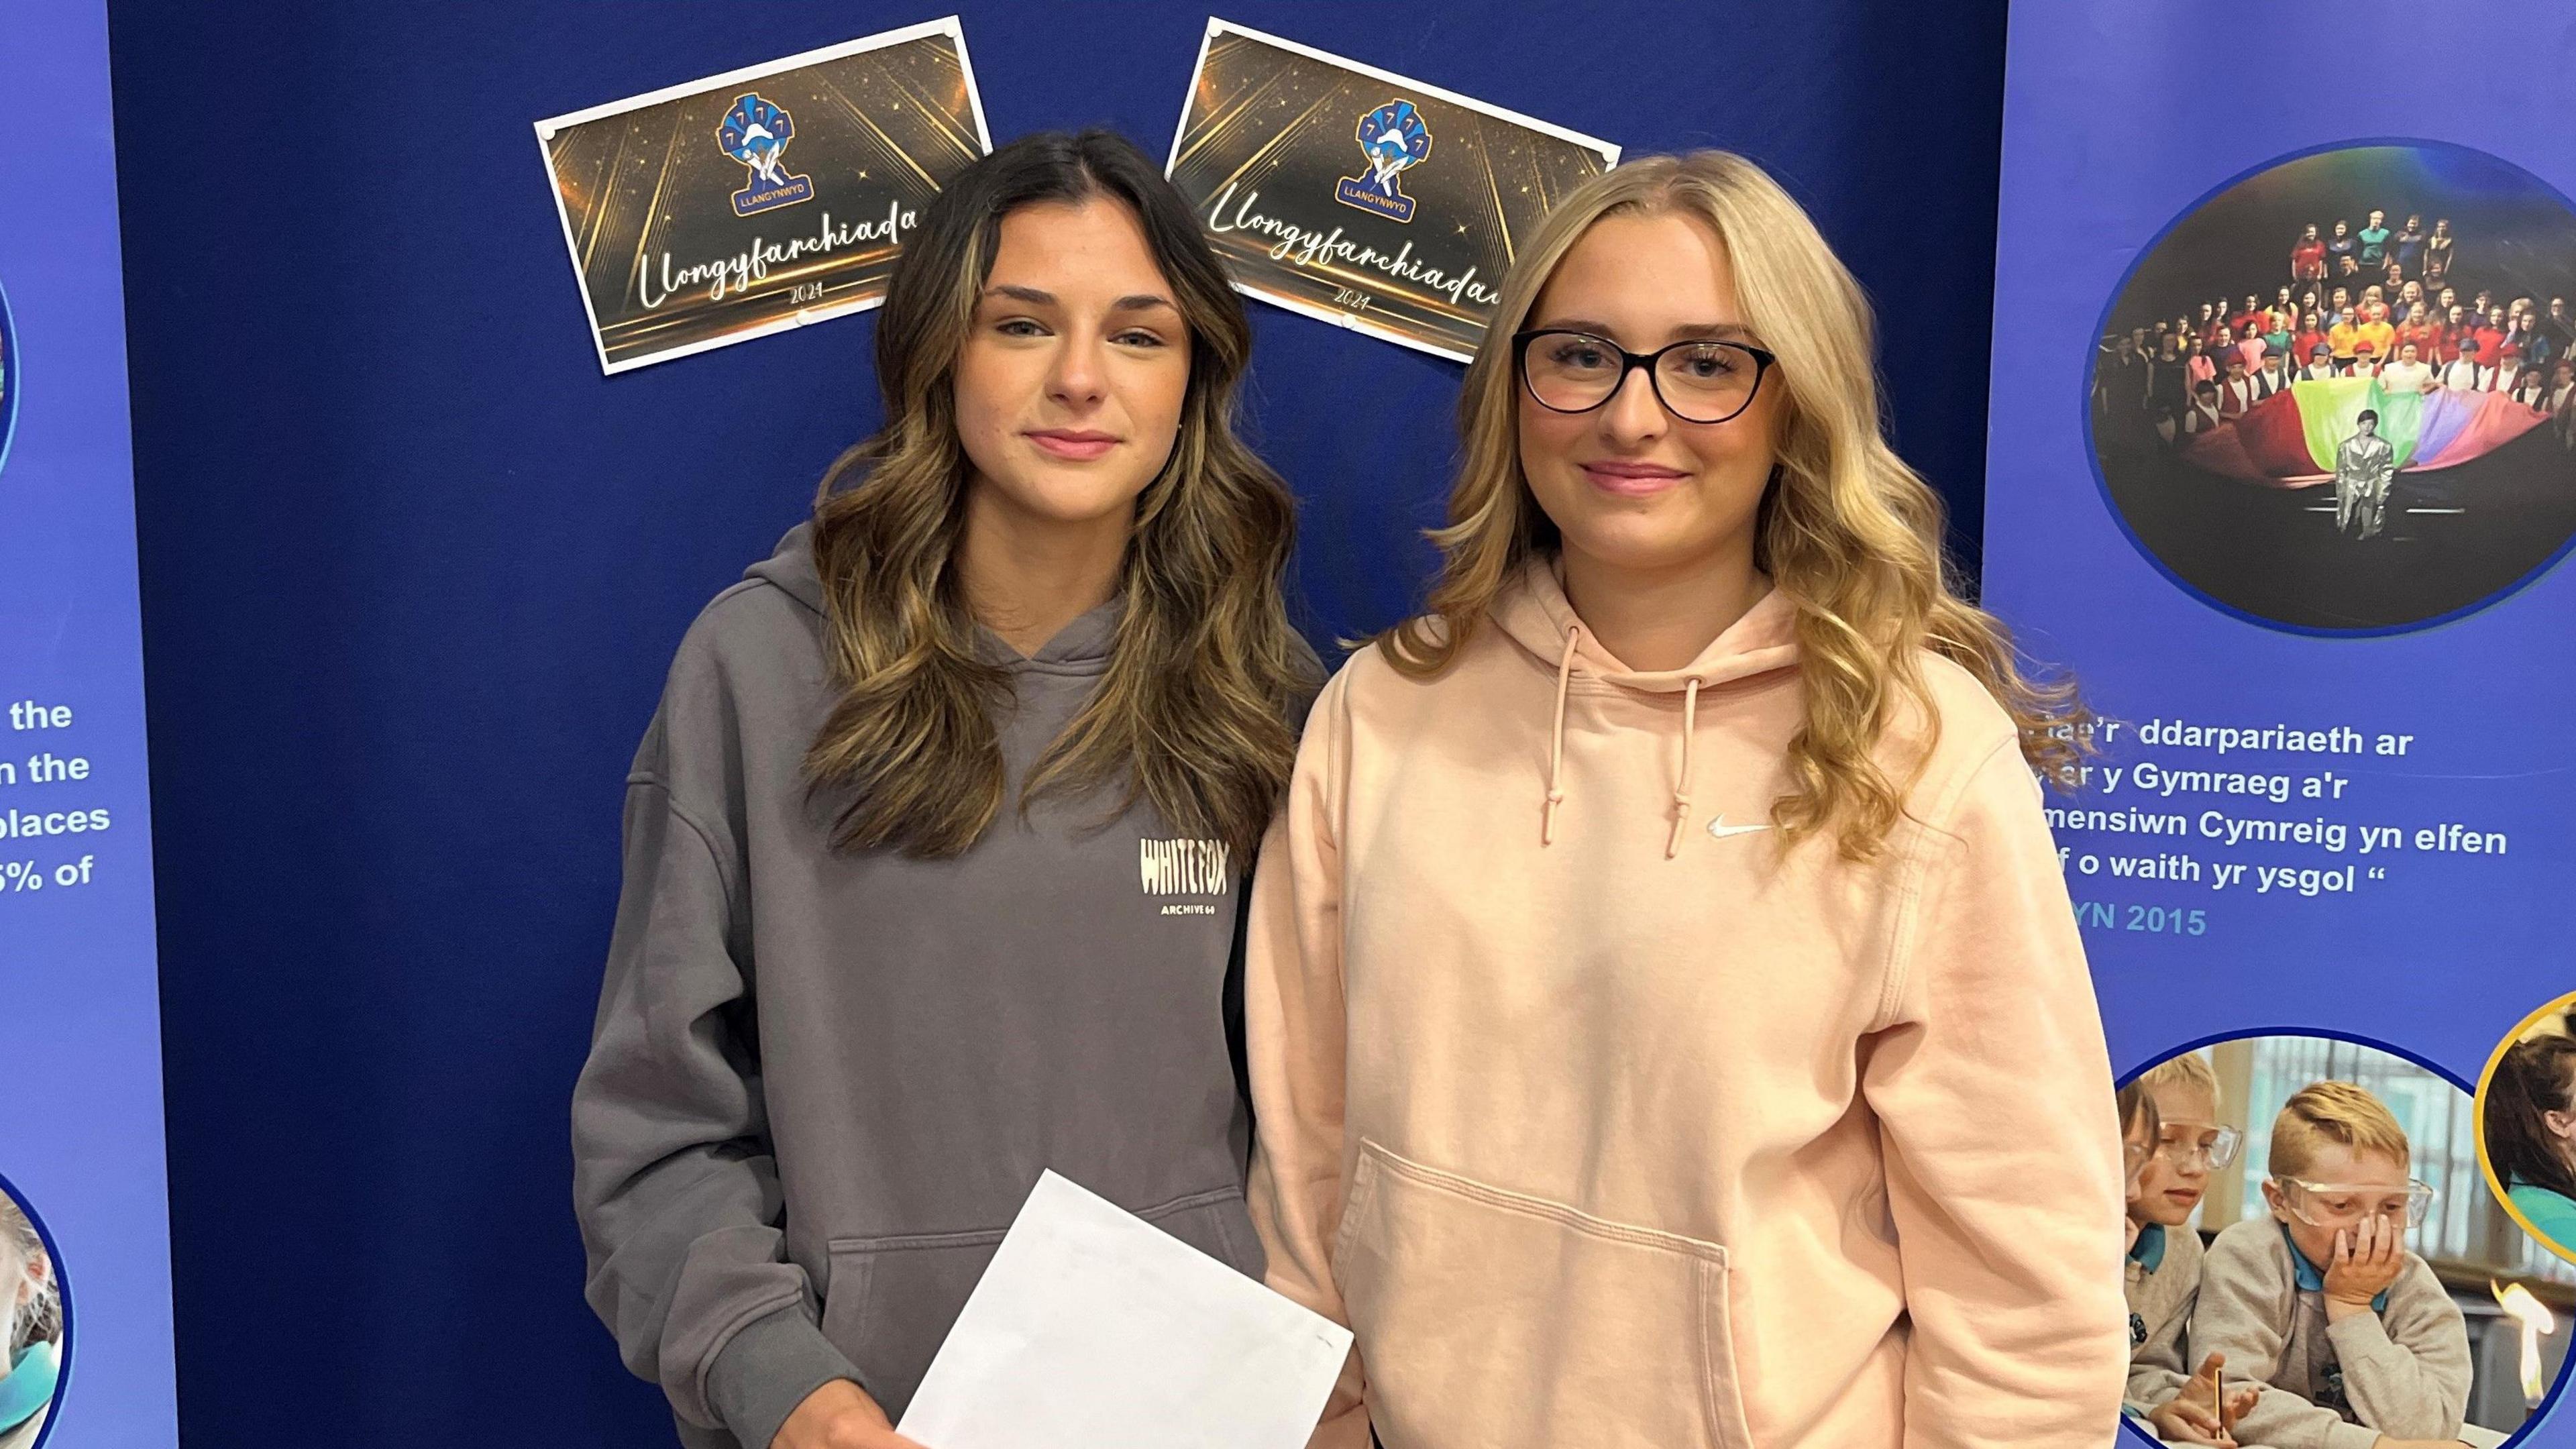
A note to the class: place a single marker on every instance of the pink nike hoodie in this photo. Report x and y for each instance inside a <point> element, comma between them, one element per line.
<point>1605,1126</point>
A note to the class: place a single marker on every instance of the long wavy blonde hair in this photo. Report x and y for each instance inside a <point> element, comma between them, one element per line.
<point>1193,710</point>
<point>1846,530</point>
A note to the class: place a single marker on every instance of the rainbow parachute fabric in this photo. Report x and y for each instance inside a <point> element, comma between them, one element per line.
<point>2289,439</point>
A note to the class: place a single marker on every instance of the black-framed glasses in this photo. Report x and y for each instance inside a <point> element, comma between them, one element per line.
<point>1697,381</point>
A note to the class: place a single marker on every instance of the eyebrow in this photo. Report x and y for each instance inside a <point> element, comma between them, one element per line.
<point>1736,330</point>
<point>1133,302</point>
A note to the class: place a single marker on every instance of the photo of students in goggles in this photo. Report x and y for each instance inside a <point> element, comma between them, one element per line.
<point>2311,1260</point>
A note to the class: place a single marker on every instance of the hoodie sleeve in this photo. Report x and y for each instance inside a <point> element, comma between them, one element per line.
<point>1992,1087</point>
<point>674,1183</point>
<point>1294,1031</point>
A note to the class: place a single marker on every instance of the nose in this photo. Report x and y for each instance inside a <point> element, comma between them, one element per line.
<point>1634,414</point>
<point>1077,377</point>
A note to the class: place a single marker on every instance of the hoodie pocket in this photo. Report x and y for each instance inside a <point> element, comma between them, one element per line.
<point>1506,1321</point>
<point>890,1301</point>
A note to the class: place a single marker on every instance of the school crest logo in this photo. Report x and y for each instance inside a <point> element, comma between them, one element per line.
<point>756,132</point>
<point>1394,140</point>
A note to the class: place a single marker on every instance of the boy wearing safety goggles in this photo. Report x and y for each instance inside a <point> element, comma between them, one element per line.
<point>2353,1338</point>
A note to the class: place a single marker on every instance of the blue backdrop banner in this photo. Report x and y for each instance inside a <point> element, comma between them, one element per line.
<point>414,569</point>
<point>2279,465</point>
<point>81,1146</point>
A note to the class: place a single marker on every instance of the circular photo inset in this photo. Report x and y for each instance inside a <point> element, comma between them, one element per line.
<point>2281,1189</point>
<point>31,1324</point>
<point>2527,1125</point>
<point>2339,395</point>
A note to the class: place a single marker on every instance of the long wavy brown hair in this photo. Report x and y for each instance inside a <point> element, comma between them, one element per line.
<point>1192,712</point>
<point>1848,531</point>
<point>2533,1080</point>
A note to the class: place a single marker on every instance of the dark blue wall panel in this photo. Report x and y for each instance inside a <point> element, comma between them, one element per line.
<point>412,570</point>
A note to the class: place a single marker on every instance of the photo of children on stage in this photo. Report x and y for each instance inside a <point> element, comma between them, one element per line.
<point>2315,1261</point>
<point>2341,393</point>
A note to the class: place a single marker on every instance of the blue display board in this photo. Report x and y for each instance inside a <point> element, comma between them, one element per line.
<point>81,1143</point>
<point>414,571</point>
<point>2332,800</point>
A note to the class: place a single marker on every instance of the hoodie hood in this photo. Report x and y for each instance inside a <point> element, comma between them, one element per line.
<point>790,568</point>
<point>1535,614</point>
<point>1080,647</point>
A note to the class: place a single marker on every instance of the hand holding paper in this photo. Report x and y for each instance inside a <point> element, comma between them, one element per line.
<point>839,1415</point>
<point>1093,1329</point>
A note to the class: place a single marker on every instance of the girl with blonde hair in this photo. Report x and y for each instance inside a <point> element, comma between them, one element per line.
<point>1667,1022</point>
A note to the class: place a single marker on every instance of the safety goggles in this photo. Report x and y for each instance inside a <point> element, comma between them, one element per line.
<point>2214,1143</point>
<point>2134,1156</point>
<point>2343,1204</point>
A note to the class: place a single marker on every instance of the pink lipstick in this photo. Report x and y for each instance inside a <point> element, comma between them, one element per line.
<point>1073,444</point>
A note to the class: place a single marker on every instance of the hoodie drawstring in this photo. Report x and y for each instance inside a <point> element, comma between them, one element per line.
<point>1556,751</point>
<point>1681,791</point>
<point>1556,739</point>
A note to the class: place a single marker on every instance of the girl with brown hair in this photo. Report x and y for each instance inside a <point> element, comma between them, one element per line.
<point>933,848</point>
<point>2529,1122</point>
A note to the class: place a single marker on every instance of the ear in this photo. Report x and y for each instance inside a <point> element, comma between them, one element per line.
<point>2561,1125</point>
<point>2272,1199</point>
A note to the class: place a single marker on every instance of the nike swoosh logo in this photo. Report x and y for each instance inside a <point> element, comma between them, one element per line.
<point>1721,829</point>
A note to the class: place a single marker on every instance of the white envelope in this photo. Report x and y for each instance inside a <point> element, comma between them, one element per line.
<point>1094,1329</point>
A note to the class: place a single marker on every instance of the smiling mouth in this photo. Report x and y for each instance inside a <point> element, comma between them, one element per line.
<point>1071,444</point>
<point>1632,480</point>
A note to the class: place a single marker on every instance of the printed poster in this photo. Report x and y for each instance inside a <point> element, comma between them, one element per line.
<point>1361,197</point>
<point>762,199</point>
<point>86,1357</point>
<point>2282,467</point>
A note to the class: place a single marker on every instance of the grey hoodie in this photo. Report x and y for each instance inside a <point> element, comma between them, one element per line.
<point>821,1083</point>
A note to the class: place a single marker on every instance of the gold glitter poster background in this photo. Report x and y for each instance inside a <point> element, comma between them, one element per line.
<point>648,192</point>
<point>1269,135</point>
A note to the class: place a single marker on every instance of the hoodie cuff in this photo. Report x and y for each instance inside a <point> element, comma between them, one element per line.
<point>767,1368</point>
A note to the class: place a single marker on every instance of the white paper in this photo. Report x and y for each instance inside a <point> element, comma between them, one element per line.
<point>1094,1329</point>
